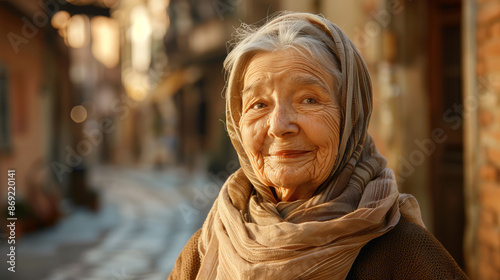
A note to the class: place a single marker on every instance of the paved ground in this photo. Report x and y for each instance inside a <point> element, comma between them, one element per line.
<point>145,219</point>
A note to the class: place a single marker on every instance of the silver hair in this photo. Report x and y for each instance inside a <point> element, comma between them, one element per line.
<point>286,30</point>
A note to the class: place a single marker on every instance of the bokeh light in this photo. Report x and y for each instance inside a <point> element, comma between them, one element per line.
<point>60,19</point>
<point>78,114</point>
<point>77,31</point>
<point>137,85</point>
<point>140,35</point>
<point>105,40</point>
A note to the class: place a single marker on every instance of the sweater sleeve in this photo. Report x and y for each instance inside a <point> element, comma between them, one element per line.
<point>406,252</point>
<point>187,264</point>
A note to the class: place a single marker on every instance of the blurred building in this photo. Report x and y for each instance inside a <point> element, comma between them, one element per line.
<point>55,99</point>
<point>34,103</point>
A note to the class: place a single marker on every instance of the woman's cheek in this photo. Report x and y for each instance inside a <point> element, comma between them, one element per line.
<point>324,131</point>
<point>253,133</point>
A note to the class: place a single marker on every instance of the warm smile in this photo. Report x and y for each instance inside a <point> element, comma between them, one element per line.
<point>289,153</point>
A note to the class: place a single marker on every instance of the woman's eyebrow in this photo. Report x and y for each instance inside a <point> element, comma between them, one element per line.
<point>250,87</point>
<point>309,80</point>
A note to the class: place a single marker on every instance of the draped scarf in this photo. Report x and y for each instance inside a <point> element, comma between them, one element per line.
<point>248,234</point>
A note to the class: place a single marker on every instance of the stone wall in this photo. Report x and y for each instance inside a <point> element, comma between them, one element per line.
<point>24,80</point>
<point>488,93</point>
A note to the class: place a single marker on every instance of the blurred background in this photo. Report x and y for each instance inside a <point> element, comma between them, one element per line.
<point>112,116</point>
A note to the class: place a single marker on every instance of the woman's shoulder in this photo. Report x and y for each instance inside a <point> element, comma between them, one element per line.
<point>408,251</point>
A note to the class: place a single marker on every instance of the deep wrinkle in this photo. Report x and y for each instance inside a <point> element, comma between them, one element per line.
<point>290,121</point>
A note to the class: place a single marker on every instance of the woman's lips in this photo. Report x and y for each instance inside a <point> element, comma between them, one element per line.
<point>289,153</point>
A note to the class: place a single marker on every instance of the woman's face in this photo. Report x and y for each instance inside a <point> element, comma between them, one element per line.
<point>290,121</point>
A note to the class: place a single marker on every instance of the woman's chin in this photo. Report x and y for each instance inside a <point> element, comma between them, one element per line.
<point>290,179</point>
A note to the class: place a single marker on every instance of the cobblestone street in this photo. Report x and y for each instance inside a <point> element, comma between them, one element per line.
<point>144,221</point>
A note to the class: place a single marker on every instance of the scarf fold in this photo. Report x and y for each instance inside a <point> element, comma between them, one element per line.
<point>250,235</point>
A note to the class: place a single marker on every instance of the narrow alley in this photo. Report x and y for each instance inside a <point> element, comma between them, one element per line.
<point>145,219</point>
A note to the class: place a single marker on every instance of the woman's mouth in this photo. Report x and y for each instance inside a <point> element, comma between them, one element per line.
<point>289,153</point>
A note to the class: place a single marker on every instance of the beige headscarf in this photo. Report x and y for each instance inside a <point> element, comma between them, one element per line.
<point>248,234</point>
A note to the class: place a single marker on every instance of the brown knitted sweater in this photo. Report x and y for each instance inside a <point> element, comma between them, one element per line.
<point>406,252</point>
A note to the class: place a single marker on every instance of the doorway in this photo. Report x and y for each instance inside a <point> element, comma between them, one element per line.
<point>446,178</point>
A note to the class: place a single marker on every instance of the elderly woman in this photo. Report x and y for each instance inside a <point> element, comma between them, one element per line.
<point>313,198</point>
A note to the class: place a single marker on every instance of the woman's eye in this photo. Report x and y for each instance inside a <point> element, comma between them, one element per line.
<point>309,101</point>
<point>258,106</point>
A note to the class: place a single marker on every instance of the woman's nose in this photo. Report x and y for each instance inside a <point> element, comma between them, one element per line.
<point>282,121</point>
